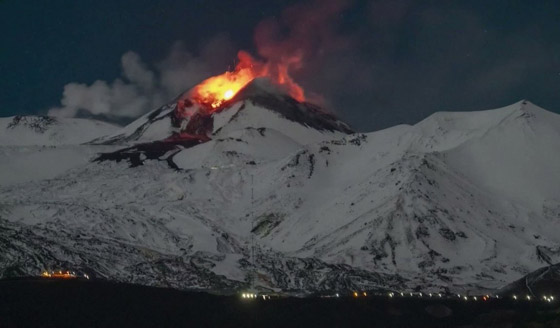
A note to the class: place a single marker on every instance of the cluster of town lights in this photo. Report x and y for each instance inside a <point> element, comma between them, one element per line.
<point>61,274</point>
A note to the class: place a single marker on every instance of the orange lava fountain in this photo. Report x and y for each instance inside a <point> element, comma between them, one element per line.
<point>215,91</point>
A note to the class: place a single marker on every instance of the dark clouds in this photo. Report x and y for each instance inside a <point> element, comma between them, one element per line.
<point>375,63</point>
<point>425,58</point>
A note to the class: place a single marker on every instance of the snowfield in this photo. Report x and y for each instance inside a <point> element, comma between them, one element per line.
<point>460,201</point>
<point>40,147</point>
<point>50,131</point>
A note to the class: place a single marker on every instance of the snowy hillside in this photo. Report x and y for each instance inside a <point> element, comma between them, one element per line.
<point>459,201</point>
<point>544,282</point>
<point>50,131</point>
<point>39,147</point>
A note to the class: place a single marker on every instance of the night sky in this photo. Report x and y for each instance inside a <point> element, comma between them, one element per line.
<point>375,63</point>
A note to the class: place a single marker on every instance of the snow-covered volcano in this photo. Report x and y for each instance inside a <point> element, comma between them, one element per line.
<point>259,104</point>
<point>457,201</point>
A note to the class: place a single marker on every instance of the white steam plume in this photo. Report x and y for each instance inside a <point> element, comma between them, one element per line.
<point>141,89</point>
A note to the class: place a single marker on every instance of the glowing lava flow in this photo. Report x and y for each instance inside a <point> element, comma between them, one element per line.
<point>215,91</point>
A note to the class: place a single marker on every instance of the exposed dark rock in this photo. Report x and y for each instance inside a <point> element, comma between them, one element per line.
<point>39,124</point>
<point>136,155</point>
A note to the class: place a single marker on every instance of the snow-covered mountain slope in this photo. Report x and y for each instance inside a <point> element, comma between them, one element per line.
<point>50,131</point>
<point>544,282</point>
<point>426,207</point>
<point>41,147</point>
<point>156,125</point>
<point>31,163</point>
<point>516,159</point>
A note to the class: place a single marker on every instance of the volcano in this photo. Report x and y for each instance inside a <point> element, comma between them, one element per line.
<point>460,202</point>
<point>259,104</point>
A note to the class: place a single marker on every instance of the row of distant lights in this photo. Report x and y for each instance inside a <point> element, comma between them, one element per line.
<point>545,298</point>
<point>391,295</point>
<point>253,296</point>
<point>476,298</point>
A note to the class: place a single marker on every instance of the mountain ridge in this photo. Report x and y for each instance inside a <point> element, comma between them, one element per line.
<point>421,207</point>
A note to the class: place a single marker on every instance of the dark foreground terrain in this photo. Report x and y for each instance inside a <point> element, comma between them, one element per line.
<point>76,303</point>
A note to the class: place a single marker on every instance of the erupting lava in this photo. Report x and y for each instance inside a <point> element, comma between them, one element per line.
<point>213,92</point>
